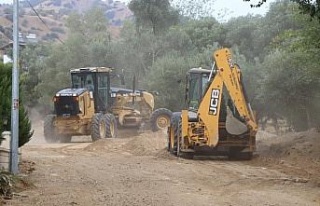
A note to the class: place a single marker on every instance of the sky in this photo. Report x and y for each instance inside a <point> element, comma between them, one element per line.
<point>235,8</point>
<point>229,8</point>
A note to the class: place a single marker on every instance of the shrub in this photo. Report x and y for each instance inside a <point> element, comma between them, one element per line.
<point>25,132</point>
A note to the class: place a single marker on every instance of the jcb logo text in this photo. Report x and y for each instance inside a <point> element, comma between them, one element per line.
<point>214,101</point>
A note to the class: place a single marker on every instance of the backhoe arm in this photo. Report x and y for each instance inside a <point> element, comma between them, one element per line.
<point>227,74</point>
<point>231,77</point>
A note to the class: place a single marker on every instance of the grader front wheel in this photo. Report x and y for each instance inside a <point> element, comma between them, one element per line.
<point>98,127</point>
<point>160,119</point>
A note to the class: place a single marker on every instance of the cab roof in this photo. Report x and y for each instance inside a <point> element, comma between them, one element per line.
<point>71,92</point>
<point>91,69</point>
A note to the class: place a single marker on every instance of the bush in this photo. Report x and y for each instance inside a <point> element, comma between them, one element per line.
<point>25,132</point>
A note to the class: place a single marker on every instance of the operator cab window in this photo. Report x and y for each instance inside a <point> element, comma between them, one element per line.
<point>198,84</point>
<point>83,81</point>
<point>89,83</point>
<point>194,91</point>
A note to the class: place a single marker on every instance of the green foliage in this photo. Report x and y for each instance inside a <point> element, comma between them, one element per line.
<point>167,76</point>
<point>195,9</point>
<point>32,66</point>
<point>25,132</point>
<point>310,7</point>
<point>205,32</point>
<point>89,27</point>
<point>288,88</point>
<point>155,14</point>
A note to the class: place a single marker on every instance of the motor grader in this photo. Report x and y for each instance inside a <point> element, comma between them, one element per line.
<point>134,108</point>
<point>93,107</point>
<point>218,119</point>
<point>83,109</point>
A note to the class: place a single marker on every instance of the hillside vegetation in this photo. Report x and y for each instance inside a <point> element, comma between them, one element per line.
<point>54,13</point>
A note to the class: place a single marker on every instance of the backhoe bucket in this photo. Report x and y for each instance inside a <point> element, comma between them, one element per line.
<point>233,125</point>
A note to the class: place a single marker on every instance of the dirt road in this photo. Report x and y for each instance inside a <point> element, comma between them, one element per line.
<point>138,171</point>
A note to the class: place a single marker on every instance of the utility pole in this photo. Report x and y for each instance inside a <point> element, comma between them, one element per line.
<point>14,156</point>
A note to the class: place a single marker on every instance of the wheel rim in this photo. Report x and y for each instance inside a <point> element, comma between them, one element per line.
<point>102,129</point>
<point>163,122</point>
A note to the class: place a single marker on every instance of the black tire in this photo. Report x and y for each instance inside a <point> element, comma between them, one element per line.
<point>160,119</point>
<point>98,127</point>
<point>174,123</point>
<point>111,126</point>
<point>48,129</point>
<point>65,139</point>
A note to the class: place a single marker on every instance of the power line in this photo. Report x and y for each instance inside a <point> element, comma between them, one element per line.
<point>41,19</point>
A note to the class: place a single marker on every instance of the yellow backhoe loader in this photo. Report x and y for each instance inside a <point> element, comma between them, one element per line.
<point>219,119</point>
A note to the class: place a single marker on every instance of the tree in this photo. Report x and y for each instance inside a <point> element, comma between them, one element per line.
<point>205,32</point>
<point>288,88</point>
<point>195,9</point>
<point>155,14</point>
<point>308,7</point>
<point>92,26</point>
<point>25,132</point>
<point>32,64</point>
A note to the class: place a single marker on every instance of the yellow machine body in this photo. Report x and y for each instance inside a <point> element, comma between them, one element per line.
<point>214,124</point>
<point>80,123</point>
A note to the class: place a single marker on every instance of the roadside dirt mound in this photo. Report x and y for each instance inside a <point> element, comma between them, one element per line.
<point>292,146</point>
<point>292,153</point>
<point>147,143</point>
